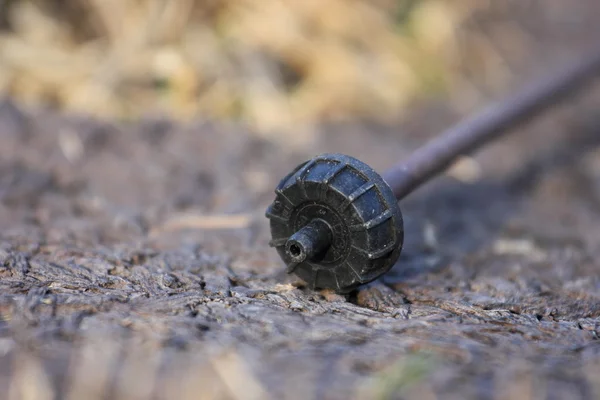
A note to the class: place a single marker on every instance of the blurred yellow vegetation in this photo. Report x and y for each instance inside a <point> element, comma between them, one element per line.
<point>272,63</point>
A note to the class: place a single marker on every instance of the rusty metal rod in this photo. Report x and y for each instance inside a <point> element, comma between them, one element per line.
<point>498,119</point>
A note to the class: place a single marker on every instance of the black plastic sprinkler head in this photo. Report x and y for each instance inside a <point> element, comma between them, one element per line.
<point>336,223</point>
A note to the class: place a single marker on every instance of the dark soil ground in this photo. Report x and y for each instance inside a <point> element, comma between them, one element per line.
<point>144,248</point>
<point>134,264</point>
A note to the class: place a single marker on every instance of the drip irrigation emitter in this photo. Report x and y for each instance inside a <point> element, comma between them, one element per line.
<point>336,222</point>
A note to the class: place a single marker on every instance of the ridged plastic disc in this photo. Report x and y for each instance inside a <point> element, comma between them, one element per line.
<point>359,207</point>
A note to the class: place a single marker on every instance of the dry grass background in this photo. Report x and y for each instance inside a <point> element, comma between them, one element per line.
<point>273,64</point>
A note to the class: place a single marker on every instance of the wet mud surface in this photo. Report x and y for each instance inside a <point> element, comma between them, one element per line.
<point>146,244</point>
